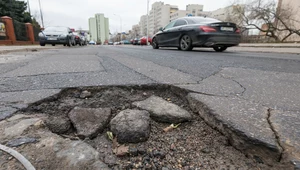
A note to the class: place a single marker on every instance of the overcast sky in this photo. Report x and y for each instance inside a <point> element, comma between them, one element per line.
<point>75,13</point>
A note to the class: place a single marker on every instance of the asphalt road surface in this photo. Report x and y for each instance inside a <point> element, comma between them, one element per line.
<point>263,84</point>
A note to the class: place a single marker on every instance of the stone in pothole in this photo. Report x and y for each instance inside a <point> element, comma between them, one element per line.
<point>59,125</point>
<point>131,126</point>
<point>163,111</point>
<point>89,121</point>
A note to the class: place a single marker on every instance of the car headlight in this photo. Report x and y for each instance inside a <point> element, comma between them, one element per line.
<point>63,35</point>
<point>41,35</point>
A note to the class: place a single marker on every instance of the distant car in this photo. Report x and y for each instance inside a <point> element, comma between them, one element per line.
<point>92,43</point>
<point>79,39</point>
<point>135,41</point>
<point>126,42</point>
<point>188,32</point>
<point>131,41</point>
<point>56,35</point>
<point>110,43</point>
<point>144,40</point>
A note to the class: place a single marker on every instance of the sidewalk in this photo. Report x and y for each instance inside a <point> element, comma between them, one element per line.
<point>7,49</point>
<point>268,45</point>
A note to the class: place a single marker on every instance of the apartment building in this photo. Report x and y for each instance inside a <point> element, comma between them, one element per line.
<point>143,25</point>
<point>162,14</point>
<point>159,16</point>
<point>227,14</point>
<point>135,31</point>
<point>191,10</point>
<point>293,6</point>
<point>99,28</point>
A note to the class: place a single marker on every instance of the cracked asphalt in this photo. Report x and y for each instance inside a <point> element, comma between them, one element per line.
<point>255,93</point>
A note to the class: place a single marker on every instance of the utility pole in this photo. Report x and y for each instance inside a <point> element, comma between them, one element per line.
<point>42,18</point>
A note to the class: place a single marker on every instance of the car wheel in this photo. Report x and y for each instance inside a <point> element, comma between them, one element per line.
<point>220,49</point>
<point>155,44</point>
<point>53,44</point>
<point>186,43</point>
<point>65,44</point>
<point>42,44</point>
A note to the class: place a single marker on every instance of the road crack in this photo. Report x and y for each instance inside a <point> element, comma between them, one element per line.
<point>276,134</point>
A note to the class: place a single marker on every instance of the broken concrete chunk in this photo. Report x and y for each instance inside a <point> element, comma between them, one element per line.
<point>163,111</point>
<point>89,121</point>
<point>131,126</point>
<point>20,127</point>
<point>85,94</point>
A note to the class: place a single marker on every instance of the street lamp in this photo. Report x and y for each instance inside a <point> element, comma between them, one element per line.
<point>42,18</point>
<point>147,21</point>
<point>120,24</point>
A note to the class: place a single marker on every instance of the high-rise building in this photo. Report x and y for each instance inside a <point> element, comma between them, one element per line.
<point>99,28</point>
<point>93,29</point>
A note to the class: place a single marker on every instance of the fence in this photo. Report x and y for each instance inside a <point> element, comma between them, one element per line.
<point>3,35</point>
<point>20,31</point>
<point>36,31</point>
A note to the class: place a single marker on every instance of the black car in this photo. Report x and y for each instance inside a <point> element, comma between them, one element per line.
<point>188,32</point>
<point>56,35</point>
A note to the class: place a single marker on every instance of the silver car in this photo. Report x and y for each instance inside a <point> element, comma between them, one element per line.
<point>57,35</point>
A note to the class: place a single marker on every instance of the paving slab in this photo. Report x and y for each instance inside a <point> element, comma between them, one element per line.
<point>244,122</point>
<point>287,126</point>
<point>27,97</point>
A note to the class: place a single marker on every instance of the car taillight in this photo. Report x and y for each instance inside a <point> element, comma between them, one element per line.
<point>76,37</point>
<point>207,29</point>
<point>238,30</point>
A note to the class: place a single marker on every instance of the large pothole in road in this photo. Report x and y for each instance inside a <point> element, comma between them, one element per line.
<point>152,127</point>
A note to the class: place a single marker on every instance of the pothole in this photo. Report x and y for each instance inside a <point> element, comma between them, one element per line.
<point>191,145</point>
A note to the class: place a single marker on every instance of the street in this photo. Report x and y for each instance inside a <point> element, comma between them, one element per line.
<point>255,94</point>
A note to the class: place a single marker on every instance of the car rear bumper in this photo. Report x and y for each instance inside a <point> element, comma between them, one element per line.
<point>212,40</point>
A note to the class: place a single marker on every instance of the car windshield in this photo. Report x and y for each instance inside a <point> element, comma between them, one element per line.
<point>55,29</point>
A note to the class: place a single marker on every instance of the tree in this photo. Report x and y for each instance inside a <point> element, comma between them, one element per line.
<point>15,9</point>
<point>279,23</point>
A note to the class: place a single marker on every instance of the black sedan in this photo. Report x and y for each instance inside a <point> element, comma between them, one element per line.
<point>188,32</point>
<point>57,35</point>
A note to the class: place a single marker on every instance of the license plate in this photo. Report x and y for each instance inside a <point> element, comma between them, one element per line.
<point>51,38</point>
<point>226,29</point>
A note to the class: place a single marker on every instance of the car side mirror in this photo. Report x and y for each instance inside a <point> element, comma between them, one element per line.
<point>161,29</point>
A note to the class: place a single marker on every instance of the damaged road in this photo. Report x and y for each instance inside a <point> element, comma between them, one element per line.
<point>251,99</point>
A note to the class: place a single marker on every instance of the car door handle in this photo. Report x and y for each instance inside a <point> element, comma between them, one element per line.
<point>179,29</point>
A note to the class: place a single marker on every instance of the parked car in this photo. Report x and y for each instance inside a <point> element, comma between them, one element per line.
<point>79,39</point>
<point>144,40</point>
<point>92,43</point>
<point>57,35</point>
<point>188,32</point>
<point>110,43</point>
<point>126,42</point>
<point>135,41</point>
